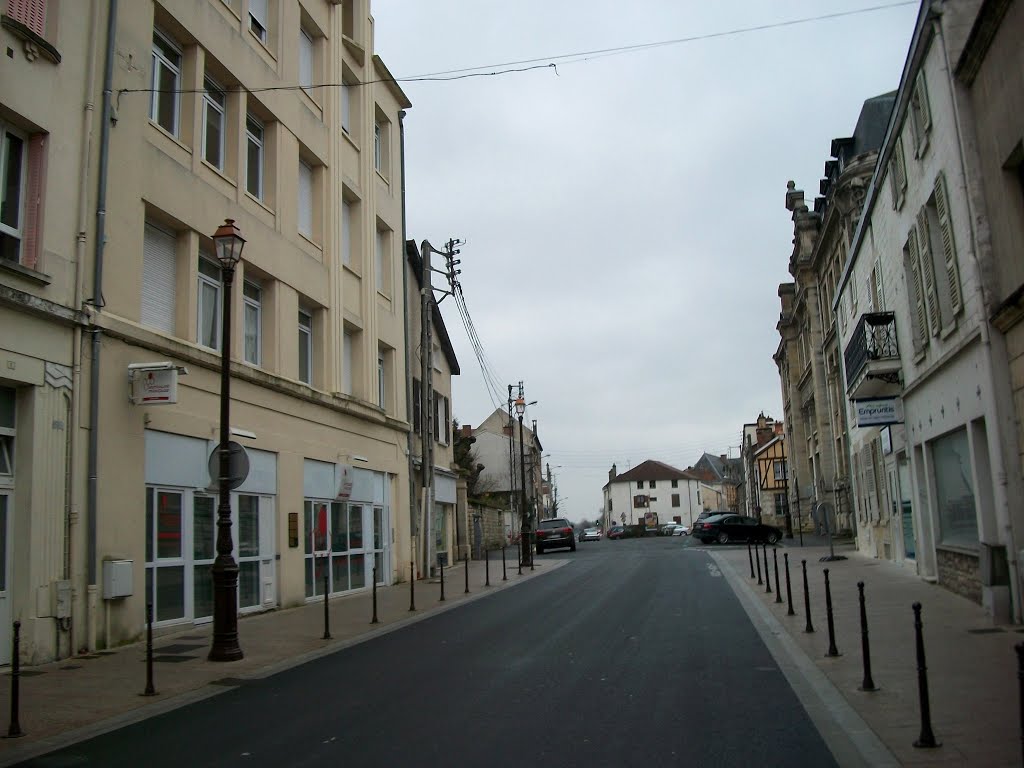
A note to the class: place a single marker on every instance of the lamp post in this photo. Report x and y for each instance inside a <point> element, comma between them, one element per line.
<point>229,243</point>
<point>524,530</point>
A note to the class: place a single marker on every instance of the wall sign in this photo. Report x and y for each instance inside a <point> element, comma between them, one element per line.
<point>878,412</point>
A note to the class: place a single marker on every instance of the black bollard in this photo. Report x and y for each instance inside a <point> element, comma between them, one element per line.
<point>531,553</point>
<point>807,599</point>
<point>487,567</point>
<point>778,589</point>
<point>374,619</point>
<point>440,568</point>
<point>150,690</point>
<point>865,647</point>
<point>504,573</point>
<point>14,730</point>
<point>789,589</point>
<point>767,576</point>
<point>757,557</point>
<point>412,586</point>
<point>750,559</point>
<point>1020,682</point>
<point>832,650</point>
<point>927,739</point>
<point>327,590</point>
<point>466,561</point>
<point>520,558</point>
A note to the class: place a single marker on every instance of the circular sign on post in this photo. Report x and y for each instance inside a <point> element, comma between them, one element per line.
<point>238,465</point>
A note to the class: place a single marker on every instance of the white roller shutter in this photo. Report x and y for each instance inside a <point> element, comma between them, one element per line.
<point>305,199</point>
<point>159,279</point>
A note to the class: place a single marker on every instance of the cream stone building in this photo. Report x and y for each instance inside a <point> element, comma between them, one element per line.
<point>276,114</point>
<point>935,454</point>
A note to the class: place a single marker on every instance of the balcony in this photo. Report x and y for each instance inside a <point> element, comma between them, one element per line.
<point>873,358</point>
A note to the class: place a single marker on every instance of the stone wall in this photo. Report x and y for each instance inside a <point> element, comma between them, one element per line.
<point>490,532</point>
<point>958,572</point>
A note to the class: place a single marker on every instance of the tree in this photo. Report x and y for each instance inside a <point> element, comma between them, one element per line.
<point>466,460</point>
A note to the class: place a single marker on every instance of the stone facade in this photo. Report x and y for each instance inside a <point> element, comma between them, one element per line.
<point>958,572</point>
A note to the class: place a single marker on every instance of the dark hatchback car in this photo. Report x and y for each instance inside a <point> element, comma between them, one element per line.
<point>616,532</point>
<point>729,527</point>
<point>556,532</point>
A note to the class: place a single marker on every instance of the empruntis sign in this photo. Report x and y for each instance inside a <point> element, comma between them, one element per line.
<point>878,412</point>
<point>154,383</point>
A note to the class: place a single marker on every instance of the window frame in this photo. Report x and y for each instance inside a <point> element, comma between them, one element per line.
<point>378,154</point>
<point>305,341</point>
<point>256,304</point>
<point>220,107</point>
<point>381,385</point>
<point>304,218</point>
<point>18,232</point>
<point>158,57</point>
<point>260,143</point>
<point>218,286</point>
<point>307,65</point>
<point>259,27</point>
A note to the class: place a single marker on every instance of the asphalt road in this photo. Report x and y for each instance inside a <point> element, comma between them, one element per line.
<point>637,653</point>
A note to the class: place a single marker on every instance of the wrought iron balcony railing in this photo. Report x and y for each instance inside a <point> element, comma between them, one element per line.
<point>873,339</point>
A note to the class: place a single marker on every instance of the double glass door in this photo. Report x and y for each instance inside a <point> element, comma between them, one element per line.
<point>345,542</point>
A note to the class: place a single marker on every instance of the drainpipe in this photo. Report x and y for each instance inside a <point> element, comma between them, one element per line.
<point>97,305</point>
<point>72,495</point>
<point>411,440</point>
<point>975,208</point>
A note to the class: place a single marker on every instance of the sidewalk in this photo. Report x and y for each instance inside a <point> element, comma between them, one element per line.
<point>972,665</point>
<point>71,700</point>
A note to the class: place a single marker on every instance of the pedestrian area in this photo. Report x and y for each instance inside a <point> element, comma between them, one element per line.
<point>86,695</point>
<point>974,693</point>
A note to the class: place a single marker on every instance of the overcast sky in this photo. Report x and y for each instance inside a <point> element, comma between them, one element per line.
<point>624,214</point>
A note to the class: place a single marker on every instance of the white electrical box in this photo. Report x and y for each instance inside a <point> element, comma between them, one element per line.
<point>117,578</point>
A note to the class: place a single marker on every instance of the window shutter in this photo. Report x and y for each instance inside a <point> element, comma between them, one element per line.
<point>869,292</point>
<point>379,252</point>
<point>346,233</point>
<point>948,246</point>
<point>879,300</point>
<point>928,271</point>
<point>346,361</point>
<point>305,199</point>
<point>447,422</point>
<point>853,294</point>
<point>34,201</point>
<point>921,324</point>
<point>31,13</point>
<point>159,279</point>
<point>922,96</point>
<point>258,10</point>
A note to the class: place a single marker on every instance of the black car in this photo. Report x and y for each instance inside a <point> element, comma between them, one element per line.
<point>730,527</point>
<point>555,532</point>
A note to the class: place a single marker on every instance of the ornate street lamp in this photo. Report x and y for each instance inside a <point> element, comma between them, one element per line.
<point>228,242</point>
<point>524,531</point>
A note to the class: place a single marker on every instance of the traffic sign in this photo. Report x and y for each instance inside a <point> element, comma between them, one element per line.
<point>238,465</point>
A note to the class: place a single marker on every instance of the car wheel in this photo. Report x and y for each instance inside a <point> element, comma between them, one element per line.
<point>723,537</point>
<point>572,548</point>
<point>540,550</point>
<point>773,537</point>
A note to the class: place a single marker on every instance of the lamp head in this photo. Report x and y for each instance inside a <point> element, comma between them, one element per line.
<point>229,242</point>
<point>520,407</point>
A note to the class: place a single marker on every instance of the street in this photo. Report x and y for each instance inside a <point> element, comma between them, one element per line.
<point>635,653</point>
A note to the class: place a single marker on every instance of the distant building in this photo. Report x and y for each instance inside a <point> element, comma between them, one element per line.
<point>652,486</point>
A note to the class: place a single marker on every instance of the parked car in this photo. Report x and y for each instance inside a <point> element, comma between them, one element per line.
<point>555,532</point>
<point>617,532</point>
<point>668,529</point>
<point>681,530</point>
<point>729,527</point>
<point>590,534</point>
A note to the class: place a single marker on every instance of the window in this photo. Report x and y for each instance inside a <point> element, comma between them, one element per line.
<point>31,13</point>
<point>442,423</point>
<point>252,308</point>
<point>254,157</point>
<point>954,490</point>
<point>416,406</point>
<point>213,124</point>
<point>653,482</point>
<point>8,400</point>
<point>897,179</point>
<point>346,363</point>
<point>675,483</point>
<point>920,115</point>
<point>378,158</point>
<point>305,199</point>
<point>159,279</point>
<point>675,499</point>
<point>165,103</point>
<point>912,268</point>
<point>639,484</point>
<point>383,263</point>
<point>381,144</point>
<point>305,347</point>
<point>779,466</point>
<point>380,380</point>
<point>345,96</point>
<point>346,233</point>
<point>21,190</point>
<point>939,273</point>
<point>258,13</point>
<point>208,304</point>
<point>306,61</point>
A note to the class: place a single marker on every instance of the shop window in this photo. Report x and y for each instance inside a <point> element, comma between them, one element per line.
<point>954,490</point>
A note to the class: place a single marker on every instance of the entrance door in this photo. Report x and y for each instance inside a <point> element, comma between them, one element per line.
<point>906,515</point>
<point>5,577</point>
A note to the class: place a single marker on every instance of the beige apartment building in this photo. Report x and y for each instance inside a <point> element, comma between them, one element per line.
<point>218,110</point>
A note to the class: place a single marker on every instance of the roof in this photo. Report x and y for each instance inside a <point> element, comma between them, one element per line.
<point>412,254</point>
<point>654,470</point>
<point>389,80</point>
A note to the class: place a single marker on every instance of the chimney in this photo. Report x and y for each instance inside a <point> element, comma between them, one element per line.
<point>612,474</point>
<point>467,430</point>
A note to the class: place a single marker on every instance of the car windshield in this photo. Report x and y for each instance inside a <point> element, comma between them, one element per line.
<point>554,523</point>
